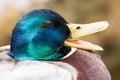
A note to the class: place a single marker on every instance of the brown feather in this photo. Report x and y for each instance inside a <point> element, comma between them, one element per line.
<point>88,65</point>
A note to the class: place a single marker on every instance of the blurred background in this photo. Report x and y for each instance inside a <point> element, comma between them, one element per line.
<point>75,11</point>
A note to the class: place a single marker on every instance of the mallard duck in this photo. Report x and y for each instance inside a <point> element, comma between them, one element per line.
<point>44,46</point>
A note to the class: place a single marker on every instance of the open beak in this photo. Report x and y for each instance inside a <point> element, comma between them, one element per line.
<point>81,30</point>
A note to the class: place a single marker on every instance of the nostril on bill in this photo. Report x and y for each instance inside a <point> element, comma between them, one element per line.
<point>78,27</point>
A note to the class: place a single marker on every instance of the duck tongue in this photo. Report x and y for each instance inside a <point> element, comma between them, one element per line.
<point>82,45</point>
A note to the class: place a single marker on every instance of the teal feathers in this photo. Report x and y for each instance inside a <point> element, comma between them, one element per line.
<point>40,35</point>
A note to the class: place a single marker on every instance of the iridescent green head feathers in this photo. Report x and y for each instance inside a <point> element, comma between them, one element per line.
<point>40,35</point>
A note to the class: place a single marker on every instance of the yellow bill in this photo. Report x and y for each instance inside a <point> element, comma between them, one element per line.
<point>81,30</point>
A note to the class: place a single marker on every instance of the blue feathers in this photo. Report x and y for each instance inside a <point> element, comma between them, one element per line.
<point>40,35</point>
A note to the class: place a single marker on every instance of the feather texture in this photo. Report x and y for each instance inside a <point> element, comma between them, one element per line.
<point>82,65</point>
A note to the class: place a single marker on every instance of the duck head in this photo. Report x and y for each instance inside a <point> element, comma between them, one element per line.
<point>42,34</point>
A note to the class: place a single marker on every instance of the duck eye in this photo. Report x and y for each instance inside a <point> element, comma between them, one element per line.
<point>49,23</point>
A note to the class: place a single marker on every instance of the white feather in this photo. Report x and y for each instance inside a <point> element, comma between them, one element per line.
<point>34,70</point>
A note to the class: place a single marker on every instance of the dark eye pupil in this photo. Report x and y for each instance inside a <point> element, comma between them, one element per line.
<point>49,23</point>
